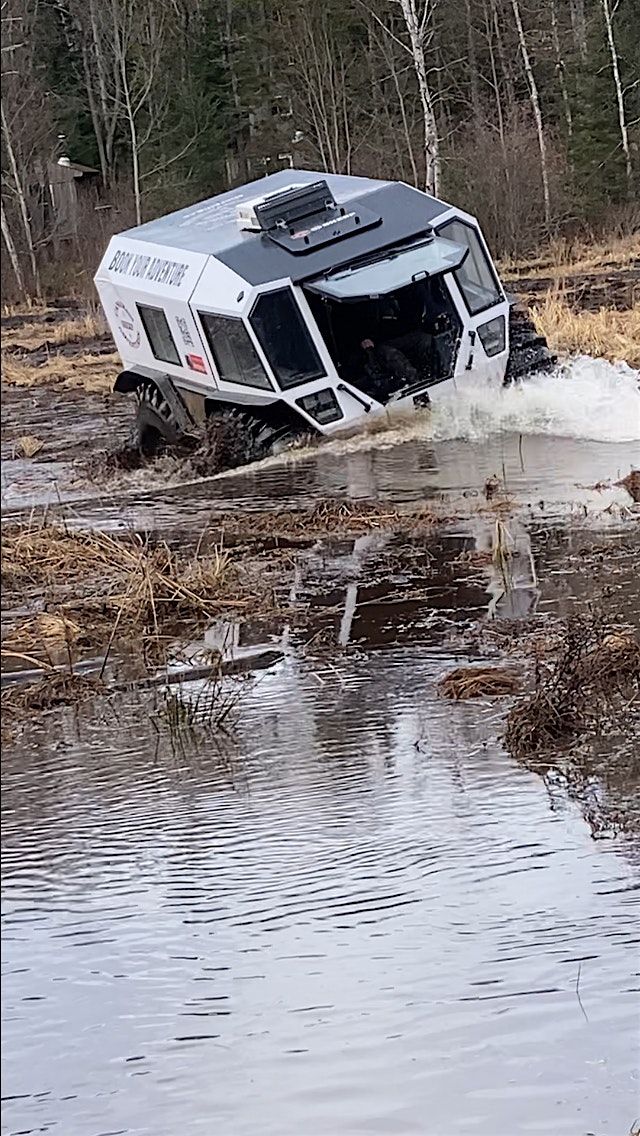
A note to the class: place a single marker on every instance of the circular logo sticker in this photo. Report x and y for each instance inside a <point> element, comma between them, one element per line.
<point>126,326</point>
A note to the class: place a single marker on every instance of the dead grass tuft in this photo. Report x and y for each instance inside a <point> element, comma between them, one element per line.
<point>330,517</point>
<point>28,446</point>
<point>327,518</point>
<point>86,325</point>
<point>208,705</point>
<point>605,333</point>
<point>595,670</point>
<point>92,373</point>
<point>96,579</point>
<point>55,688</point>
<point>47,629</point>
<point>478,682</point>
<point>632,484</point>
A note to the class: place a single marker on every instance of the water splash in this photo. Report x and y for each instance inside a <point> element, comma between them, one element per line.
<point>585,398</point>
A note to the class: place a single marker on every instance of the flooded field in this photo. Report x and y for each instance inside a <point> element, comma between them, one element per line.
<point>352,910</point>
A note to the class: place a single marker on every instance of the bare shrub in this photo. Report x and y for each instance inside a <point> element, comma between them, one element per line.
<point>594,670</point>
<point>504,191</point>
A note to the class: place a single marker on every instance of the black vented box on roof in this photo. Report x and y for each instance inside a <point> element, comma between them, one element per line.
<point>306,217</point>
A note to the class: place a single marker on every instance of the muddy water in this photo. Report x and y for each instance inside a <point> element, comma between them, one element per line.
<point>592,406</point>
<point>358,914</point>
<point>363,917</point>
<point>68,424</point>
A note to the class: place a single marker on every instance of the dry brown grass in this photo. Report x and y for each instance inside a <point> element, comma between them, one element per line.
<point>46,629</point>
<point>99,582</point>
<point>327,518</point>
<point>478,682</point>
<point>25,308</point>
<point>564,257</point>
<point>86,325</point>
<point>81,325</point>
<point>607,333</point>
<point>55,688</point>
<point>92,373</point>
<point>28,446</point>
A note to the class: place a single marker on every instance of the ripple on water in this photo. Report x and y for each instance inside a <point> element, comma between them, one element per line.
<point>363,914</point>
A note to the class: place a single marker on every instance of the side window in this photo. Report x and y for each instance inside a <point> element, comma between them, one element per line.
<point>159,334</point>
<point>285,339</point>
<point>475,277</point>
<point>235,356</point>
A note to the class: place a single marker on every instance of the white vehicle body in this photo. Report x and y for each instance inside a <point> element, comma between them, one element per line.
<point>246,301</point>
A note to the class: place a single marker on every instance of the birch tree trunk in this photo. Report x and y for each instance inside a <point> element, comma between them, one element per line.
<point>13,253</point>
<point>416,29</point>
<point>622,121</point>
<point>22,204</point>
<point>537,113</point>
<point>133,135</point>
<point>560,70</point>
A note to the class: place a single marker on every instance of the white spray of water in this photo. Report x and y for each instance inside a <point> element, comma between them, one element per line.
<point>585,398</point>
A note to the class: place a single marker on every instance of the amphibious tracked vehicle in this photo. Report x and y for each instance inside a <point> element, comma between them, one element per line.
<point>304,302</point>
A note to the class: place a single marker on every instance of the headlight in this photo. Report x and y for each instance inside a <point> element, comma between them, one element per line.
<point>492,335</point>
<point>322,405</point>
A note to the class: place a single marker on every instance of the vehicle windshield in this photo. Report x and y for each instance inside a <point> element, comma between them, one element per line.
<point>395,270</point>
<point>475,277</point>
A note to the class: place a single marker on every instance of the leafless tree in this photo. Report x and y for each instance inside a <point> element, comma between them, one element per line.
<point>89,32</point>
<point>417,16</point>
<point>560,69</point>
<point>319,80</point>
<point>537,113</point>
<point>10,246</point>
<point>25,135</point>
<point>609,14</point>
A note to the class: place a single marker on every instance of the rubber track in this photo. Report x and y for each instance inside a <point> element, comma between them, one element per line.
<point>529,351</point>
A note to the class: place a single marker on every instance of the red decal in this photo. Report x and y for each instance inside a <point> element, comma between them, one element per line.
<point>197,363</point>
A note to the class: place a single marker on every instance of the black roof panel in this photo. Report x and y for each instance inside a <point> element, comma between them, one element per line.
<point>211,226</point>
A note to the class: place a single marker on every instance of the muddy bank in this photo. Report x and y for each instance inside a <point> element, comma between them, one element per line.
<point>617,288</point>
<point>49,349</point>
<point>55,312</point>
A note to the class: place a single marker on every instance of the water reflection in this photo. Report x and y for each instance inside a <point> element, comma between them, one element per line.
<point>379,915</point>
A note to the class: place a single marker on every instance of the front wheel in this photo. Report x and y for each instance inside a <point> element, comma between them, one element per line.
<point>247,435</point>
<point>156,426</point>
